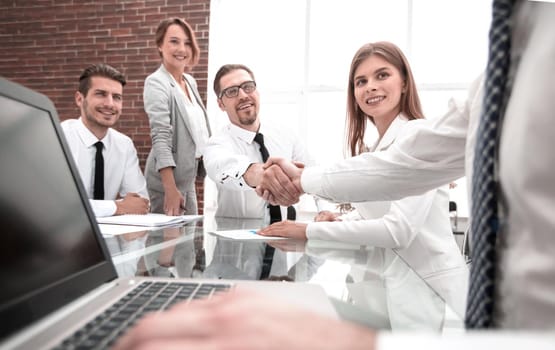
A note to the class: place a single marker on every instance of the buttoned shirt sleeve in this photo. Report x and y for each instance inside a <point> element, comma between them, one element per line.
<point>133,180</point>
<point>226,162</point>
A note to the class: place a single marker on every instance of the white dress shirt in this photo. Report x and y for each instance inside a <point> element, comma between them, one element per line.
<point>122,173</point>
<point>432,152</point>
<point>417,227</point>
<point>229,153</point>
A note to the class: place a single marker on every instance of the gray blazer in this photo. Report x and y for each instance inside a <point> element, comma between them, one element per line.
<point>172,143</point>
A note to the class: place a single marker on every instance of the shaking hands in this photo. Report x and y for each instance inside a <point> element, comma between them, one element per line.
<point>281,182</point>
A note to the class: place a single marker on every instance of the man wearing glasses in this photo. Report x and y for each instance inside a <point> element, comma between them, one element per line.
<point>233,157</point>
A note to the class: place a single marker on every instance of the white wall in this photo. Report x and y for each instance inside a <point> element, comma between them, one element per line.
<point>301,50</point>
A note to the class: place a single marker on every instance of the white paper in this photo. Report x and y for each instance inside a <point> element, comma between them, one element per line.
<point>114,230</point>
<point>150,219</point>
<point>245,235</point>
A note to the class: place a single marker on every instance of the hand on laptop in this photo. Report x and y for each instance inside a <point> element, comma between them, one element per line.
<point>243,319</point>
<point>132,203</point>
<point>281,182</point>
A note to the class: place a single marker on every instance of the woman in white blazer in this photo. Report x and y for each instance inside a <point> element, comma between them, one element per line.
<point>179,125</point>
<point>382,90</point>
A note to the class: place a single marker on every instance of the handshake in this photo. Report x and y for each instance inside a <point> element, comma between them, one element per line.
<point>280,181</point>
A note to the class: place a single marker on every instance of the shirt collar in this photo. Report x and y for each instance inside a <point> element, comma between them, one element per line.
<point>391,133</point>
<point>88,138</point>
<point>243,134</point>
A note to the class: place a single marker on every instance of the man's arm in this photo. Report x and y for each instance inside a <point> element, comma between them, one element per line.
<point>227,168</point>
<point>133,184</point>
<point>247,320</point>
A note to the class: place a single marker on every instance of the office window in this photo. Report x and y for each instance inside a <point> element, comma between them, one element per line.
<point>301,51</point>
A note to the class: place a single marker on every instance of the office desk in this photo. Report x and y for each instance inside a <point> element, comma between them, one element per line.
<point>369,285</point>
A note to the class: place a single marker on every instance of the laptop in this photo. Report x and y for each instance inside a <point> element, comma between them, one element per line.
<point>59,279</point>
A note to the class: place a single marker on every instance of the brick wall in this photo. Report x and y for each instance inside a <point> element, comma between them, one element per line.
<point>45,45</point>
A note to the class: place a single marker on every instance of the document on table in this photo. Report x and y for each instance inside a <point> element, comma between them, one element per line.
<point>245,235</point>
<point>114,230</point>
<point>150,219</point>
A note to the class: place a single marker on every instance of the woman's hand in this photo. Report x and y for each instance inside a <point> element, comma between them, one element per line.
<point>174,203</point>
<point>290,229</point>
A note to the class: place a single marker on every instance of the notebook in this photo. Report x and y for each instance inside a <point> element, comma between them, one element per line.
<point>57,273</point>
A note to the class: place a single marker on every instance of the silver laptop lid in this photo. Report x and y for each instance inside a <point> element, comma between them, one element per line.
<point>51,250</point>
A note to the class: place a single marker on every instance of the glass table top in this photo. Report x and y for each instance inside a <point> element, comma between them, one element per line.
<point>370,285</point>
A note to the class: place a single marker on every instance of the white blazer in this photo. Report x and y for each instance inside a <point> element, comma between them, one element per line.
<point>417,228</point>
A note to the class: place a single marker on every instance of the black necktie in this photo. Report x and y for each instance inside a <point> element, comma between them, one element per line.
<point>98,172</point>
<point>485,221</point>
<point>275,213</point>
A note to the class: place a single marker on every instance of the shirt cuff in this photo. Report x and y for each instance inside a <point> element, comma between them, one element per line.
<point>414,340</point>
<point>103,208</point>
<point>464,341</point>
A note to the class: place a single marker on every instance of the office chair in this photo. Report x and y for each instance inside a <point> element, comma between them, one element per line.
<point>466,246</point>
<point>454,214</point>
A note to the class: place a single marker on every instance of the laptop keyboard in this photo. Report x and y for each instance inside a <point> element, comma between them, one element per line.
<point>102,331</point>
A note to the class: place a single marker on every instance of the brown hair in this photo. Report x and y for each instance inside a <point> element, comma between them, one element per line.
<point>163,28</point>
<point>225,69</point>
<point>410,102</point>
<point>98,70</point>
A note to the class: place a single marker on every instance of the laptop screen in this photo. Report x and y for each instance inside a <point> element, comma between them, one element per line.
<point>49,251</point>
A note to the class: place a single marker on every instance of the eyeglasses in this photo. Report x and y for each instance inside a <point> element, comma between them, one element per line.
<point>233,91</point>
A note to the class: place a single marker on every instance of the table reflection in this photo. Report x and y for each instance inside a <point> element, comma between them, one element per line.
<point>376,286</point>
<point>386,291</point>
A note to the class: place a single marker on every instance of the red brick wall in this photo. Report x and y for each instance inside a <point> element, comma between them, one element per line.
<point>45,45</point>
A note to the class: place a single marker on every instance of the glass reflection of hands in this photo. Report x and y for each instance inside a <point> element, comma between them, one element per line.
<point>131,236</point>
<point>288,245</point>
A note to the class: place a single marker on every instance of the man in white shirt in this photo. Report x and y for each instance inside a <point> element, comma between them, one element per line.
<point>232,158</point>
<point>430,154</point>
<point>99,99</point>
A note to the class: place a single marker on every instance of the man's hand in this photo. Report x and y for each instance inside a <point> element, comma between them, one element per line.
<point>243,319</point>
<point>281,182</point>
<point>254,173</point>
<point>132,203</point>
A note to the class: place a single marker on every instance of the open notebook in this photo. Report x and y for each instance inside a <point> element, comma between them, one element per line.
<point>60,288</point>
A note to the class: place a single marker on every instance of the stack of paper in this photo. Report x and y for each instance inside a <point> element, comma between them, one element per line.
<point>151,219</point>
<point>245,235</point>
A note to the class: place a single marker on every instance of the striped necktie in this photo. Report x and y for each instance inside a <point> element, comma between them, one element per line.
<point>485,221</point>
